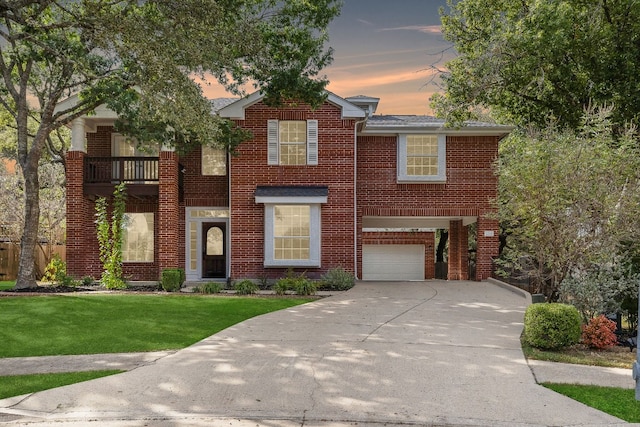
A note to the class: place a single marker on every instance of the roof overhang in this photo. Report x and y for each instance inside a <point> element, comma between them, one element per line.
<point>100,116</point>
<point>499,131</point>
<point>414,222</point>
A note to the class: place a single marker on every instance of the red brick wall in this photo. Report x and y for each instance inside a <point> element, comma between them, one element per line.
<point>83,258</point>
<point>335,170</point>
<point>167,230</point>
<point>407,238</point>
<point>469,189</point>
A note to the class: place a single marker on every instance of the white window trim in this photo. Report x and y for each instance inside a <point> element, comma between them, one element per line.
<point>314,236</point>
<point>273,143</point>
<point>401,166</point>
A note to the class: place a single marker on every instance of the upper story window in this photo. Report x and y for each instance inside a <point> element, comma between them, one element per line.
<point>422,158</point>
<point>136,169</point>
<point>214,161</point>
<point>124,146</point>
<point>292,142</point>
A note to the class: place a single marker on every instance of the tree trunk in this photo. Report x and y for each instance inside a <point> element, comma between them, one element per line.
<point>27,264</point>
<point>442,244</point>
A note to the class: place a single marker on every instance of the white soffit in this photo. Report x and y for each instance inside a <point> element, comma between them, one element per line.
<point>401,223</point>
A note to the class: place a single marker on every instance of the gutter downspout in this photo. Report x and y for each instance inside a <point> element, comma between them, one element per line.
<point>355,192</point>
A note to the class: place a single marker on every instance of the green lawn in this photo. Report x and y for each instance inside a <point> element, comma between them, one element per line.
<point>68,324</point>
<point>23,384</point>
<point>618,402</point>
<point>6,284</point>
<point>89,324</point>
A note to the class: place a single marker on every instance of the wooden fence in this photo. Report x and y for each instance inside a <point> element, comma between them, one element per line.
<point>10,254</point>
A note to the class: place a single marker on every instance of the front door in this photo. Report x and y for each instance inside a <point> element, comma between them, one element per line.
<point>214,261</point>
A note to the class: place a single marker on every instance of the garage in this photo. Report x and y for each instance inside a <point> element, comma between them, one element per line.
<point>393,262</point>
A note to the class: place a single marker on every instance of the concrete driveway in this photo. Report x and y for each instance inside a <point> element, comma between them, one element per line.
<point>417,353</point>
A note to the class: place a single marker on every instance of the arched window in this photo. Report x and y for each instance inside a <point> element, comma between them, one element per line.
<point>215,244</point>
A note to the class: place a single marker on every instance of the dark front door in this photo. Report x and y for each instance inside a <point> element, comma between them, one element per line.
<point>214,261</point>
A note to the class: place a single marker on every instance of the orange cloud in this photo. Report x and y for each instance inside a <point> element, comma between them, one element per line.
<point>428,29</point>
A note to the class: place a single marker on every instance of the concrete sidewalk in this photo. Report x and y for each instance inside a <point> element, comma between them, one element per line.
<point>424,353</point>
<point>543,371</point>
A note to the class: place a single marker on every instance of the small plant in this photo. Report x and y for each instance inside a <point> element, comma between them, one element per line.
<point>87,281</point>
<point>551,326</point>
<point>209,288</point>
<point>296,282</point>
<point>172,279</point>
<point>338,279</point>
<point>305,286</point>
<point>55,271</point>
<point>245,287</point>
<point>281,286</point>
<point>68,281</point>
<point>599,333</point>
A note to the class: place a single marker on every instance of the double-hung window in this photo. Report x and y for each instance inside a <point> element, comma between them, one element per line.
<point>292,142</point>
<point>422,158</point>
<point>214,161</point>
<point>292,225</point>
<point>138,237</point>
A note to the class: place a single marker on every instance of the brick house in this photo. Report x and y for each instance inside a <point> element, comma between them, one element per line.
<point>313,190</point>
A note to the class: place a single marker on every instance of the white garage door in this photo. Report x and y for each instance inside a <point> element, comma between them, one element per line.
<point>393,262</point>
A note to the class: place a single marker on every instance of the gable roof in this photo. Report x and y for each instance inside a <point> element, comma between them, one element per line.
<point>236,109</point>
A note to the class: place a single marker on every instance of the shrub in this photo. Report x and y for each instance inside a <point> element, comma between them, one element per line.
<point>87,281</point>
<point>281,286</point>
<point>599,333</point>
<point>55,271</point>
<point>305,286</point>
<point>338,279</point>
<point>245,287</point>
<point>209,288</point>
<point>172,279</point>
<point>296,282</point>
<point>551,326</point>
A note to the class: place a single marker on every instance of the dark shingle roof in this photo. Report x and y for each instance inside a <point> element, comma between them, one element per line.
<point>218,104</point>
<point>427,121</point>
<point>292,191</point>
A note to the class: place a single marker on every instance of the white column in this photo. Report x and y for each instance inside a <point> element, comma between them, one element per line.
<point>78,135</point>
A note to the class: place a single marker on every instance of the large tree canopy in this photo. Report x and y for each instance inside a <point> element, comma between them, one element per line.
<point>532,60</point>
<point>568,201</point>
<point>145,60</point>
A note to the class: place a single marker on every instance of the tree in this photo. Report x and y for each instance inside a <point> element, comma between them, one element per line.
<point>529,61</point>
<point>568,201</point>
<point>147,61</point>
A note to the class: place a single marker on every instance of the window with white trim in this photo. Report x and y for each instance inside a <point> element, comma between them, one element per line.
<point>292,235</point>
<point>422,158</point>
<point>292,142</point>
<point>137,237</point>
<point>214,161</point>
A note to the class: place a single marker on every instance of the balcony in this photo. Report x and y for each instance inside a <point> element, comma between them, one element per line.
<point>102,174</point>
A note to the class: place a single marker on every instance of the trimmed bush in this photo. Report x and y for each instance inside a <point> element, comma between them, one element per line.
<point>245,287</point>
<point>338,279</point>
<point>172,279</point>
<point>599,333</point>
<point>551,326</point>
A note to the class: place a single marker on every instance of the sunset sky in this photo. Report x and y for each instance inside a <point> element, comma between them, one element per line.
<point>384,48</point>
